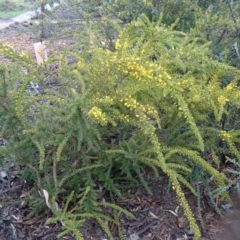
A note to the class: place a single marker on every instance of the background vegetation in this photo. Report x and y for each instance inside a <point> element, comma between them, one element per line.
<point>12,8</point>
<point>161,89</point>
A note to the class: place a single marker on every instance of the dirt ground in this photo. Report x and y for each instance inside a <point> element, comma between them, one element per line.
<point>158,216</point>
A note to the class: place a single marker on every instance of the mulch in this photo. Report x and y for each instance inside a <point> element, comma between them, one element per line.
<point>158,216</point>
<point>22,37</point>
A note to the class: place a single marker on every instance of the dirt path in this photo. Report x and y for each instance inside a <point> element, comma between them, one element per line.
<point>21,18</point>
<point>25,16</point>
<point>5,25</point>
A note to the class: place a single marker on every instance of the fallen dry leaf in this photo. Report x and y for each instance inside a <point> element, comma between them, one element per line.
<point>180,222</point>
<point>153,215</point>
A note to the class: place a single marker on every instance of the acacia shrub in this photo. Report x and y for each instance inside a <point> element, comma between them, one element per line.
<point>158,100</point>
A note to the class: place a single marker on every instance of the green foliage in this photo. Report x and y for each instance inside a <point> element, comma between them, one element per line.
<point>12,8</point>
<point>160,99</point>
<point>216,20</point>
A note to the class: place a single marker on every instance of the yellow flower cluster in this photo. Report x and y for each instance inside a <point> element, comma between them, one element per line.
<point>222,100</point>
<point>130,102</point>
<point>184,83</point>
<point>24,55</point>
<point>196,98</point>
<point>117,45</point>
<point>139,72</point>
<point>96,114</point>
<point>149,110</point>
<point>225,135</point>
<point>3,45</point>
<point>126,118</point>
<point>104,100</point>
<point>80,65</point>
<point>121,45</point>
<point>6,49</point>
<point>147,73</point>
<point>139,109</point>
<point>11,53</point>
<point>230,86</point>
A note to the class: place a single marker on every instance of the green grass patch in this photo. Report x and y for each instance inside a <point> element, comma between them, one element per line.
<point>13,8</point>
